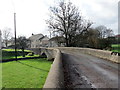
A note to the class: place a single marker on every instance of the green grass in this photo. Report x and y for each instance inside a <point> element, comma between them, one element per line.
<point>115,48</point>
<point>17,75</point>
<point>115,45</point>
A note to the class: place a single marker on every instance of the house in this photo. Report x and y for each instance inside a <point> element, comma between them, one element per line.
<point>57,41</point>
<point>38,40</point>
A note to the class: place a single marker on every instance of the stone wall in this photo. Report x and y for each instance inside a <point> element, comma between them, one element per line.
<point>94,52</point>
<point>55,77</point>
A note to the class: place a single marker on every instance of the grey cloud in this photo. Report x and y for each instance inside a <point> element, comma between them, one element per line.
<point>107,15</point>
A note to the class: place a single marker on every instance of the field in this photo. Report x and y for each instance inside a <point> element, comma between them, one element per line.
<point>25,74</point>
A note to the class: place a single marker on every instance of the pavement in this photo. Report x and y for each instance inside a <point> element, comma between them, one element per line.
<point>86,71</point>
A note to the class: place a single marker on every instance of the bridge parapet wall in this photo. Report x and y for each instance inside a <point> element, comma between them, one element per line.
<point>55,77</point>
<point>95,52</point>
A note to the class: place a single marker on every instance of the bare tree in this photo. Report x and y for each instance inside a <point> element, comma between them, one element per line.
<point>6,35</point>
<point>22,43</point>
<point>66,20</point>
<point>102,30</point>
<point>109,33</point>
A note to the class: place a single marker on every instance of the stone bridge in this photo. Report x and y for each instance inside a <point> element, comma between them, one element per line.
<point>81,68</point>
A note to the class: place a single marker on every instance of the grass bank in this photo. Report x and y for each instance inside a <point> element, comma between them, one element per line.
<point>25,74</point>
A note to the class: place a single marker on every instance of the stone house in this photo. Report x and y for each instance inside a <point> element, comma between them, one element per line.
<point>38,40</point>
<point>57,41</point>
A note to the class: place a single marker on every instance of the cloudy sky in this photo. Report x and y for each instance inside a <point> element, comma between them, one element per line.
<point>31,14</point>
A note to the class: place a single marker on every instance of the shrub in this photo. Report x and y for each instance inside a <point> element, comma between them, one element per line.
<point>30,54</point>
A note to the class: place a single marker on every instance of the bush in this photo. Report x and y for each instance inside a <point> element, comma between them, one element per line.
<point>30,54</point>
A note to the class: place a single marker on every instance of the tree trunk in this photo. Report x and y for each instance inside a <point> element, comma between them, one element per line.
<point>67,42</point>
<point>23,53</point>
<point>6,43</point>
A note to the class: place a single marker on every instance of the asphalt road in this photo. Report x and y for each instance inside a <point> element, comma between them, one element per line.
<point>86,71</point>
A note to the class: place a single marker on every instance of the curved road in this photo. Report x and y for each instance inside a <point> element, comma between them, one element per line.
<point>86,71</point>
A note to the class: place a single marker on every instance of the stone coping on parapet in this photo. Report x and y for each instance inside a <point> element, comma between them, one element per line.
<point>55,78</point>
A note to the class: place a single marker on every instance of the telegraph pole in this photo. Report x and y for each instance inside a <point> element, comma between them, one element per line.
<point>15,36</point>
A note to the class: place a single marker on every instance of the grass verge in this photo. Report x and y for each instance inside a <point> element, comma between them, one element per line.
<point>25,74</point>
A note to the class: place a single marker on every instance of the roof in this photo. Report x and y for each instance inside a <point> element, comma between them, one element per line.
<point>57,38</point>
<point>36,37</point>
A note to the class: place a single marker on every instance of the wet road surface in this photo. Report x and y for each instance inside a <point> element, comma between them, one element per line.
<point>86,71</point>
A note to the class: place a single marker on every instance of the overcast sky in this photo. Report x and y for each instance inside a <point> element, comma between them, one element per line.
<point>31,14</point>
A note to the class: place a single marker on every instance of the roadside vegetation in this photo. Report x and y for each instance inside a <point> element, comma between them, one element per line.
<point>10,53</point>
